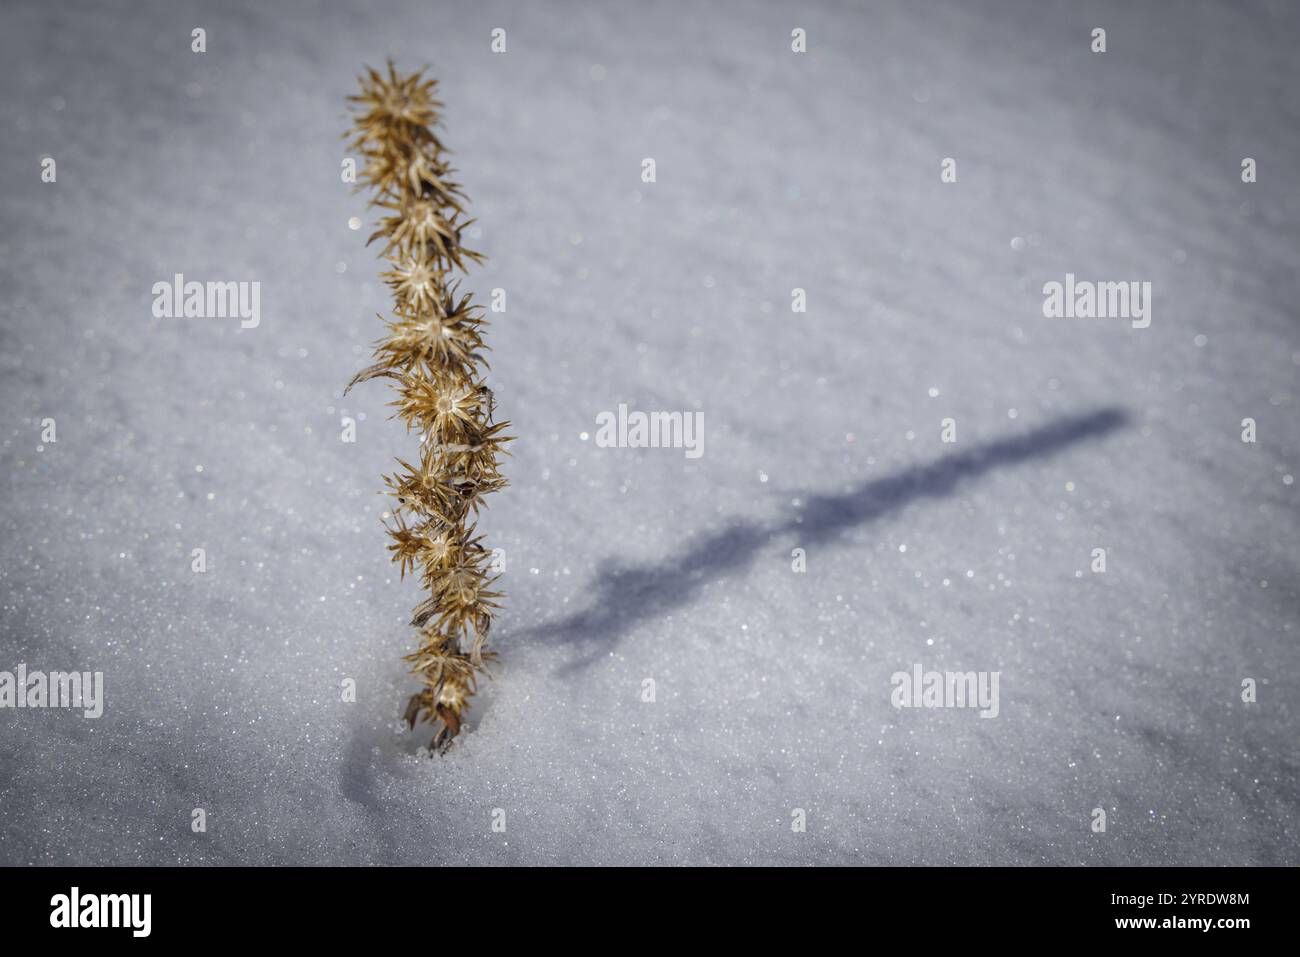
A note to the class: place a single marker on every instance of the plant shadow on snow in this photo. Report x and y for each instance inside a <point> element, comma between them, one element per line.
<point>625,596</point>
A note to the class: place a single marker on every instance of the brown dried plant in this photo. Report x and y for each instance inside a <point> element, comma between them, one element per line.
<point>432,351</point>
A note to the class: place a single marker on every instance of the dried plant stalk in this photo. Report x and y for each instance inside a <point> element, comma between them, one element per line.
<point>432,353</point>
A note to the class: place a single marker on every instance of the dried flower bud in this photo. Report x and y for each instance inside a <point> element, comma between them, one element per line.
<point>432,352</point>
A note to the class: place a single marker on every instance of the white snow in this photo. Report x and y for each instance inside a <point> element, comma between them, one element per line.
<point>775,170</point>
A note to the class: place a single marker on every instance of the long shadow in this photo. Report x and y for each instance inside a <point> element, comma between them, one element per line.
<point>624,596</point>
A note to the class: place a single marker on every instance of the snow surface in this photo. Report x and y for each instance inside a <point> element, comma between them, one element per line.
<point>822,431</point>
